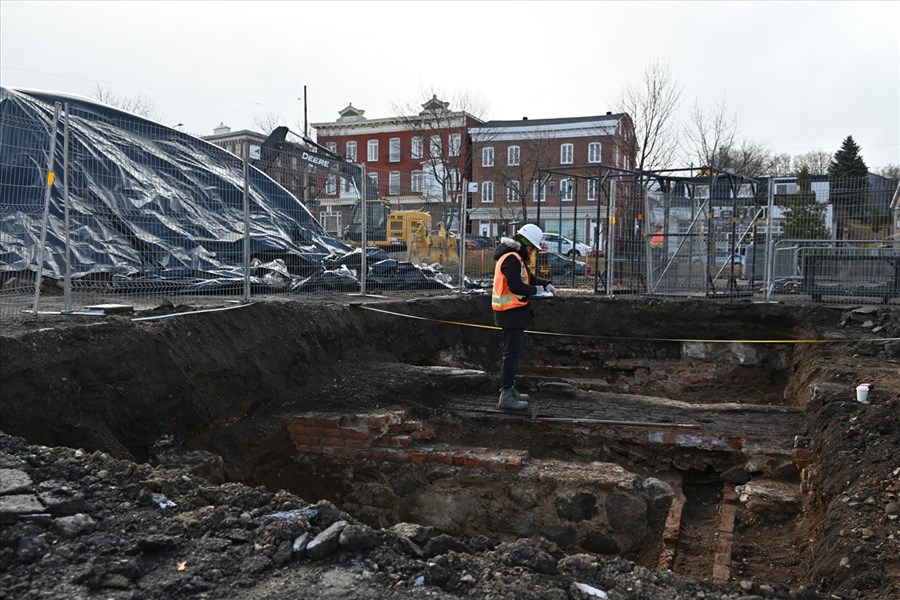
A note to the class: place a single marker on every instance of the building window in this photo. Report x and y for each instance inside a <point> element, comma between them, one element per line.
<point>330,185</point>
<point>616,162</point>
<point>331,221</point>
<point>351,151</point>
<point>487,156</point>
<point>394,150</point>
<point>512,156</point>
<point>487,192</point>
<point>416,182</point>
<point>566,152</point>
<point>434,146</point>
<point>394,183</point>
<point>539,192</point>
<point>594,153</point>
<point>416,150</point>
<point>512,191</point>
<point>332,147</point>
<point>593,189</point>
<point>565,189</point>
<point>372,151</point>
<point>455,144</point>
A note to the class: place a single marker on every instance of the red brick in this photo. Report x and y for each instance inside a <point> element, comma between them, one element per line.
<point>396,440</point>
<point>377,420</point>
<point>326,422</point>
<point>395,429</point>
<point>418,458</point>
<point>328,450</point>
<point>473,462</point>
<point>804,457</point>
<point>305,439</point>
<point>358,443</point>
<point>459,460</point>
<point>354,434</point>
<point>332,441</point>
<point>736,442</point>
<point>410,426</point>
<point>322,431</point>
<point>424,434</point>
<point>315,449</point>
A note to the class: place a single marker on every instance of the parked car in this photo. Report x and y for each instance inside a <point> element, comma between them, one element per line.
<point>552,242</point>
<point>553,264</point>
<point>479,242</point>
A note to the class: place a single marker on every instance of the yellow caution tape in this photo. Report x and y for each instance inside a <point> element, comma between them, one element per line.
<point>619,337</point>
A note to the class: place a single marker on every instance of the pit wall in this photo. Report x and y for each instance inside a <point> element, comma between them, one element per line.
<point>388,469</point>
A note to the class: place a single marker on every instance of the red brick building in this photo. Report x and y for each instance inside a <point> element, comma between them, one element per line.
<point>419,162</point>
<point>507,157</point>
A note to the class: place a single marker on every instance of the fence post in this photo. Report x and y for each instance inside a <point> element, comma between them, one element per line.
<point>67,282</point>
<point>610,244</point>
<point>363,235</point>
<point>246,297</point>
<point>461,235</point>
<point>51,177</point>
<point>770,244</point>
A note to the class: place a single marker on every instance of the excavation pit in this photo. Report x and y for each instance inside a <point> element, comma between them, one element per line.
<point>682,435</point>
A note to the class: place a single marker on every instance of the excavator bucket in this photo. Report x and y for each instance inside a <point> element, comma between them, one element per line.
<point>424,248</point>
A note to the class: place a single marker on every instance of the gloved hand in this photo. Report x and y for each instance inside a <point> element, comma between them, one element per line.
<point>549,287</point>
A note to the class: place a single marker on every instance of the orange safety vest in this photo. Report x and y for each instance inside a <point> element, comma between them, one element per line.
<point>501,296</point>
<point>657,240</point>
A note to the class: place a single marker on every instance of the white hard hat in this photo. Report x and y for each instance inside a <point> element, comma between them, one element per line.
<point>532,233</point>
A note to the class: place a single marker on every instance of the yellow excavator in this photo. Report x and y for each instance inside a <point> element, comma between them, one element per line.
<point>402,230</point>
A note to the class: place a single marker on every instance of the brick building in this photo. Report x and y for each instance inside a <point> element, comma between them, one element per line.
<point>417,162</point>
<point>286,171</point>
<point>507,157</point>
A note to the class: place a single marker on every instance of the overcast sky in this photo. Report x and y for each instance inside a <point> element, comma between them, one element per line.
<point>799,76</point>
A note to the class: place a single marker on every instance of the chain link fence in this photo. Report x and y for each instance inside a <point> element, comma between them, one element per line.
<point>100,208</point>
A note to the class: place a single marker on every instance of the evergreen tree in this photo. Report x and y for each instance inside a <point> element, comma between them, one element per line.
<point>804,217</point>
<point>849,184</point>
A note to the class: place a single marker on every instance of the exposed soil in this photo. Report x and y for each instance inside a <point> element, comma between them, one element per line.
<point>158,465</point>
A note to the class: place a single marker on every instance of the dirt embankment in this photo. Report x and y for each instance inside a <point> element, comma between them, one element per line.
<point>126,392</point>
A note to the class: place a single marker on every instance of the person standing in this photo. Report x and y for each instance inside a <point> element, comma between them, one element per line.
<point>514,283</point>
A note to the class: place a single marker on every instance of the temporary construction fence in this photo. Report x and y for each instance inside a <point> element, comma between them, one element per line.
<point>101,207</point>
<point>98,206</point>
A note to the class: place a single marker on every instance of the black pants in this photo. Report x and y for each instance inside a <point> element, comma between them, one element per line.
<point>511,342</point>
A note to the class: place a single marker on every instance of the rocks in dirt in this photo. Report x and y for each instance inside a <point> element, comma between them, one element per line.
<point>13,481</point>
<point>355,538</point>
<point>774,499</point>
<point>326,542</point>
<point>526,553</point>
<point>442,544</point>
<point>75,525</point>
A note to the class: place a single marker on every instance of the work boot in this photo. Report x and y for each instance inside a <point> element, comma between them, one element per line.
<point>509,401</point>
<point>520,397</point>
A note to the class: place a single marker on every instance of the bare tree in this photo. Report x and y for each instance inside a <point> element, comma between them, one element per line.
<point>443,131</point>
<point>890,171</point>
<point>815,161</point>
<point>139,105</point>
<point>710,134</point>
<point>712,141</point>
<point>652,107</point>
<point>780,165</point>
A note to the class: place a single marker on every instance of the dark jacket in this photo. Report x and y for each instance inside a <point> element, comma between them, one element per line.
<point>521,317</point>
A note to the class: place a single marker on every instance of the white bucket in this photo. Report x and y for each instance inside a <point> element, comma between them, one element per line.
<point>862,393</point>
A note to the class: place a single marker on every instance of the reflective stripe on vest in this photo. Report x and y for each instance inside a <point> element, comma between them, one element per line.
<point>501,296</point>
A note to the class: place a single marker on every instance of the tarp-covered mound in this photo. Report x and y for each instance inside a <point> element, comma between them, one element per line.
<point>147,203</point>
